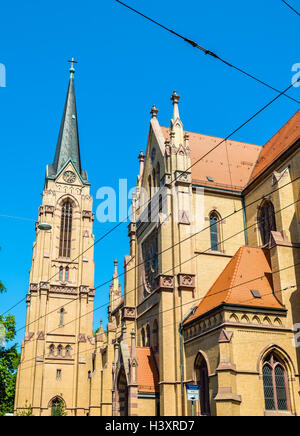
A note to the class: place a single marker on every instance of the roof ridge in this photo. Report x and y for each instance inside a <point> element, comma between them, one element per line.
<point>234,275</point>
<point>218,137</point>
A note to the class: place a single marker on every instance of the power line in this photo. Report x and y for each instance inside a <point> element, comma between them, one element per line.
<point>17,217</point>
<point>289,6</point>
<point>181,173</point>
<point>204,50</point>
<point>167,249</point>
<point>166,272</point>
<point>198,300</point>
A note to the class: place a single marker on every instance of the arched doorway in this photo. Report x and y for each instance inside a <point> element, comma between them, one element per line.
<point>123,393</point>
<point>202,379</point>
<point>58,407</point>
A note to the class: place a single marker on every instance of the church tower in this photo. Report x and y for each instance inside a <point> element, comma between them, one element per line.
<point>54,371</point>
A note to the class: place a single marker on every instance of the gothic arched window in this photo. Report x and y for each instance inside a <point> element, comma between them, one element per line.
<point>148,336</point>
<point>143,338</point>
<point>275,381</point>
<point>51,350</point>
<point>214,221</point>
<point>61,317</point>
<point>68,351</point>
<point>67,274</point>
<point>158,175</point>
<point>155,336</point>
<point>202,379</point>
<point>61,274</point>
<point>266,221</point>
<point>66,229</point>
<point>59,350</point>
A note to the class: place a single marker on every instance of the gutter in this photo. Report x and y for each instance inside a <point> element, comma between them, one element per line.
<point>191,312</point>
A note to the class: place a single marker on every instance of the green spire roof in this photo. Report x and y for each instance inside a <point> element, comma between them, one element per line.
<point>67,148</point>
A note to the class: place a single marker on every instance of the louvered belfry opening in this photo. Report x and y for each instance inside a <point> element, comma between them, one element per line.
<point>66,229</point>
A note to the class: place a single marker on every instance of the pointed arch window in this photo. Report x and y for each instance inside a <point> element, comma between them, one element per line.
<point>148,336</point>
<point>266,221</point>
<point>202,379</point>
<point>67,274</point>
<point>143,338</point>
<point>214,221</point>
<point>61,274</point>
<point>66,229</point>
<point>51,350</point>
<point>61,317</point>
<point>68,351</point>
<point>59,350</point>
<point>158,175</point>
<point>275,380</point>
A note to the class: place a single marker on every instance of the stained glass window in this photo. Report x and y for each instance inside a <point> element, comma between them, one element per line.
<point>66,230</point>
<point>214,231</point>
<point>275,384</point>
<point>267,221</point>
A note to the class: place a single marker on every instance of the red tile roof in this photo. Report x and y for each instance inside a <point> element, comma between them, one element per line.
<point>277,145</point>
<point>248,270</point>
<point>242,158</point>
<point>148,378</point>
<point>246,161</point>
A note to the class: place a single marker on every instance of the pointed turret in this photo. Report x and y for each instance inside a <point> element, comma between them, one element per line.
<point>176,131</point>
<point>115,290</point>
<point>67,148</point>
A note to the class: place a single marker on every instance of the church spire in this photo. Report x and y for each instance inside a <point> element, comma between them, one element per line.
<point>67,148</point>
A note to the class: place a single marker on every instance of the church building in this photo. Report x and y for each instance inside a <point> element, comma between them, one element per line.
<point>211,282</point>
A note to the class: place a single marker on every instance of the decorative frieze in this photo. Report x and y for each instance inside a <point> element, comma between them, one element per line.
<point>86,214</point>
<point>183,217</point>
<point>84,290</point>
<point>129,313</point>
<point>183,178</point>
<point>165,283</point>
<point>70,290</point>
<point>186,282</point>
<point>29,336</point>
<point>44,286</point>
<point>33,287</point>
<point>91,340</point>
<point>40,336</point>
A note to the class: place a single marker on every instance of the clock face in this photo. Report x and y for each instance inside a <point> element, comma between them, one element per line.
<point>69,177</point>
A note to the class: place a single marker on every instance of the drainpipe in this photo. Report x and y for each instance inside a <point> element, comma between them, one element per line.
<point>191,312</point>
<point>245,220</point>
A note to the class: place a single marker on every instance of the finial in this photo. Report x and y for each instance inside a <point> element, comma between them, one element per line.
<point>72,69</point>
<point>154,111</point>
<point>175,97</point>
<point>101,324</point>
<point>116,268</point>
<point>133,333</point>
<point>141,157</point>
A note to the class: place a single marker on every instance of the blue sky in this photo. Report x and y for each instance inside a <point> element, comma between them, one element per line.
<point>125,66</point>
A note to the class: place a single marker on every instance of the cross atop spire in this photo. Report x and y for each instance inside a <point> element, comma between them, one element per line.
<point>72,69</point>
